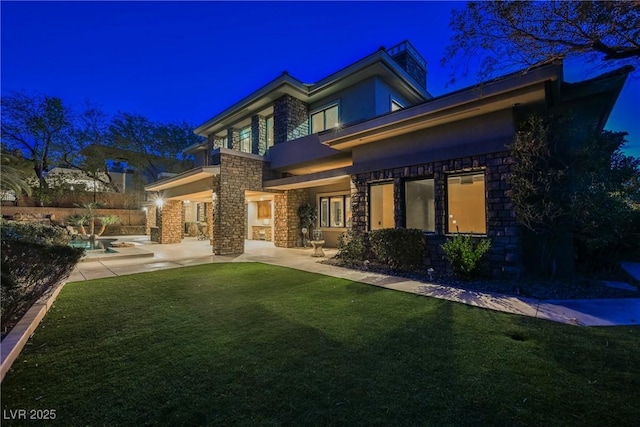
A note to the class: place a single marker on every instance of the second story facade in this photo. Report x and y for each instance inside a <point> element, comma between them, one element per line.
<point>282,120</point>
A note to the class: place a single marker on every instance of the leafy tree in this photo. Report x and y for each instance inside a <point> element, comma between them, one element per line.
<point>523,34</point>
<point>590,189</point>
<point>38,127</point>
<point>151,146</point>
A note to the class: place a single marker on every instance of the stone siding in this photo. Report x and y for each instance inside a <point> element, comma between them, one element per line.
<point>286,225</point>
<point>291,119</point>
<point>233,139</point>
<point>258,135</point>
<point>169,220</point>
<point>238,173</point>
<point>504,255</point>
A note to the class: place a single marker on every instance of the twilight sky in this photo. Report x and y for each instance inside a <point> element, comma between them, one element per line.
<point>174,61</point>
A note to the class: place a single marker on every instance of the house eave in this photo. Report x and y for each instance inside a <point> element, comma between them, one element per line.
<point>518,88</point>
<point>187,177</point>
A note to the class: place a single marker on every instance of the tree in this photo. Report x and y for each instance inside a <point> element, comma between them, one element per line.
<point>151,146</point>
<point>38,127</point>
<point>590,190</point>
<point>524,34</point>
<point>13,176</point>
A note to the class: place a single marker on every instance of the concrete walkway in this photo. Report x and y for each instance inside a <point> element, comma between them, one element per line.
<point>147,256</point>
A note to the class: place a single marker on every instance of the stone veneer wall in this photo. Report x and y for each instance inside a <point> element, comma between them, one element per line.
<point>238,173</point>
<point>290,119</point>
<point>258,135</point>
<point>286,224</point>
<point>151,221</point>
<point>170,223</point>
<point>502,228</point>
<point>233,139</point>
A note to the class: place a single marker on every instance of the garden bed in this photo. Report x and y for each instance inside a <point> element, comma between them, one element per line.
<point>580,288</point>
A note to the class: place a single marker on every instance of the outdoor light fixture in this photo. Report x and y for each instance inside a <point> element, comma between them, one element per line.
<point>159,202</point>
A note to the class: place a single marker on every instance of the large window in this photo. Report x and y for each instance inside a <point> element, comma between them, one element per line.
<point>381,206</point>
<point>420,206</point>
<point>245,139</point>
<point>466,204</point>
<point>335,211</point>
<point>324,119</point>
<point>269,125</point>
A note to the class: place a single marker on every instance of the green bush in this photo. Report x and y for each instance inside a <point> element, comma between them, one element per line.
<point>34,258</point>
<point>34,232</point>
<point>352,247</point>
<point>400,248</point>
<point>465,255</point>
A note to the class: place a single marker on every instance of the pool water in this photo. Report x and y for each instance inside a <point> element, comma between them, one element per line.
<point>91,245</point>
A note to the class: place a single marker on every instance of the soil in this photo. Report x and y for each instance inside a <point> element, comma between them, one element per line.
<point>581,287</point>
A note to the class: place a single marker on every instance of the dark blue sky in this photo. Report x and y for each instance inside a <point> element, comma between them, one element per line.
<point>174,61</point>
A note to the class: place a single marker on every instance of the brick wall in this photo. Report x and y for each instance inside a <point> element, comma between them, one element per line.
<point>286,225</point>
<point>127,216</point>
<point>501,222</point>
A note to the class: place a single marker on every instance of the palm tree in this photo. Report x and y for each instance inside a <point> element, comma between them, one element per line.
<point>107,220</point>
<point>78,221</point>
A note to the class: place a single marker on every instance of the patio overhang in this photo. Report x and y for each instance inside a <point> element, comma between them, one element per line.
<point>335,176</point>
<point>195,185</point>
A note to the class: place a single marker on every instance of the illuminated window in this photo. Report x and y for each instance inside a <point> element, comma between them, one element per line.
<point>245,139</point>
<point>466,204</point>
<point>269,125</point>
<point>395,105</point>
<point>335,211</point>
<point>324,119</point>
<point>420,207</point>
<point>381,206</point>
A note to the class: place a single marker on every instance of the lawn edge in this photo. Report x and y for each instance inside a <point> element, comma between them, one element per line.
<point>15,340</point>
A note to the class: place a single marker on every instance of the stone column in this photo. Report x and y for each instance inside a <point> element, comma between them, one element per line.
<point>171,222</point>
<point>233,139</point>
<point>258,135</point>
<point>286,224</point>
<point>290,119</point>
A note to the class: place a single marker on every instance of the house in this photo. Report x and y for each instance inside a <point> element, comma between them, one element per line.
<point>371,148</point>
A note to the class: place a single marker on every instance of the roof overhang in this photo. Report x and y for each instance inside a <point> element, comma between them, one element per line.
<point>335,176</point>
<point>504,93</point>
<point>184,178</point>
<point>376,64</point>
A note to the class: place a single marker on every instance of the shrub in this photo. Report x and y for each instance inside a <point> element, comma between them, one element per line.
<point>352,246</point>
<point>400,248</point>
<point>34,258</point>
<point>465,255</point>
<point>33,232</point>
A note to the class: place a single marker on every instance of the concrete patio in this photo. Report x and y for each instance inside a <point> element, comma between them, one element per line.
<point>147,256</point>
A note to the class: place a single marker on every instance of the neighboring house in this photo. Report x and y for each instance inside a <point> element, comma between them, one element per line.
<point>371,148</point>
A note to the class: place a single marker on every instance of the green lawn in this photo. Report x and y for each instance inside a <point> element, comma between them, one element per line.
<point>253,344</point>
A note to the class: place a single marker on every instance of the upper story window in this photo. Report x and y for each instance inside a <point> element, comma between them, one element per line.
<point>324,119</point>
<point>396,105</point>
<point>245,139</point>
<point>269,125</point>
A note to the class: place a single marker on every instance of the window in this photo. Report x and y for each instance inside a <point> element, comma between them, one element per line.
<point>245,139</point>
<point>466,204</point>
<point>335,211</point>
<point>324,119</point>
<point>381,206</point>
<point>396,105</point>
<point>269,126</point>
<point>420,207</point>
